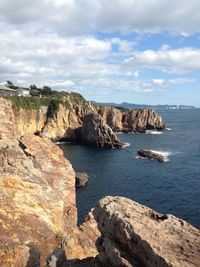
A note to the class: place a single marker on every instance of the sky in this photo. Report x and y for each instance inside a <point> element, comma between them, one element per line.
<point>138,51</point>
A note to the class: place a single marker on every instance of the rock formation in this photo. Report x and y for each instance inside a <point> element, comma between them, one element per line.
<point>137,120</point>
<point>81,179</point>
<point>144,153</point>
<point>38,207</point>
<point>134,235</point>
<point>69,116</point>
<point>95,132</point>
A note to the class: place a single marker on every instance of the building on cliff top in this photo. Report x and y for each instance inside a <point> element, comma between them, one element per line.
<point>7,91</point>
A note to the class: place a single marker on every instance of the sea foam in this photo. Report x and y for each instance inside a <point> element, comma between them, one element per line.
<point>153,132</point>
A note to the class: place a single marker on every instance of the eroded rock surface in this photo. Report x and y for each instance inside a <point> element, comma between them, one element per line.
<point>134,235</point>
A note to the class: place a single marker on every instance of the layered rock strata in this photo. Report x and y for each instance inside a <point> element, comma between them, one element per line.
<point>134,235</point>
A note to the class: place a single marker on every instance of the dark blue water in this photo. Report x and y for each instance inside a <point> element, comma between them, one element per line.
<point>170,187</point>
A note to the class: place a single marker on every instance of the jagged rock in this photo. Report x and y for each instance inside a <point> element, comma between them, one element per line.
<point>137,120</point>
<point>151,155</point>
<point>95,132</point>
<point>81,244</point>
<point>81,179</point>
<point>134,235</point>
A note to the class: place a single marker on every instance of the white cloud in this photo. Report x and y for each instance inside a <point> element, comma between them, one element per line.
<point>178,61</point>
<point>158,81</point>
<point>51,42</point>
<point>77,17</point>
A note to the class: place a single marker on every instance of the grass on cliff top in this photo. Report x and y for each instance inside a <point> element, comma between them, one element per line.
<point>29,103</point>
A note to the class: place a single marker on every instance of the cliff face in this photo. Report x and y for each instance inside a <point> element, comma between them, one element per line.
<point>134,235</point>
<point>37,198</point>
<point>65,121</point>
<point>131,120</point>
<point>38,205</point>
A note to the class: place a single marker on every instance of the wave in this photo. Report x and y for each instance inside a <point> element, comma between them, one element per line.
<point>153,132</point>
<point>165,154</point>
<point>119,132</point>
<point>62,142</point>
<point>168,129</point>
<point>126,145</point>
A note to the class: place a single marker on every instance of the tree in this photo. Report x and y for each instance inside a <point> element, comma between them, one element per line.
<point>9,84</point>
<point>46,90</point>
<point>34,91</point>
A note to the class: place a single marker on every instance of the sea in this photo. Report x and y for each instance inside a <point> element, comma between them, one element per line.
<point>170,187</point>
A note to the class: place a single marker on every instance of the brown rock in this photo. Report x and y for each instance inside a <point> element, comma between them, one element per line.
<point>37,190</point>
<point>134,235</point>
<point>16,122</point>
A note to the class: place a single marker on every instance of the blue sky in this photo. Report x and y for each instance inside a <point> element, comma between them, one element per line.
<point>110,51</point>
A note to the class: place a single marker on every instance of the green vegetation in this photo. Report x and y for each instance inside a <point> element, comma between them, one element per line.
<point>53,107</point>
<point>46,90</point>
<point>29,103</point>
<point>77,98</point>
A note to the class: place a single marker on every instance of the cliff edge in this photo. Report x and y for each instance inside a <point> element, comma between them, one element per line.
<point>134,235</point>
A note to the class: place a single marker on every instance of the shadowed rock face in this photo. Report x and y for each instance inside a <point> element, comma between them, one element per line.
<point>134,235</point>
<point>95,132</point>
<point>151,155</point>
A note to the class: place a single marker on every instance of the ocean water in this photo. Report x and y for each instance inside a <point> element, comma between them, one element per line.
<point>169,187</point>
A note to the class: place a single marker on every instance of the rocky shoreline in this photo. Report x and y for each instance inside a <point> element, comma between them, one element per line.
<point>38,217</point>
<point>76,120</point>
<point>38,214</point>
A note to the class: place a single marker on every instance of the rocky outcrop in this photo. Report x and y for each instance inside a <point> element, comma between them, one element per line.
<point>134,235</point>
<point>81,179</point>
<point>151,155</point>
<point>38,207</point>
<point>69,116</point>
<point>95,132</point>
<point>138,120</point>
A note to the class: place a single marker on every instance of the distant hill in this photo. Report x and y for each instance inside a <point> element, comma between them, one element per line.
<point>134,106</point>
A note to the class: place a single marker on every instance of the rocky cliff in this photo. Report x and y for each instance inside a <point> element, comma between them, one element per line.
<point>38,204</point>
<point>60,119</point>
<point>134,235</point>
<point>38,218</point>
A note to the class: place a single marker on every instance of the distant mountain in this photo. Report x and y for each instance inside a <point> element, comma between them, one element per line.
<point>134,106</point>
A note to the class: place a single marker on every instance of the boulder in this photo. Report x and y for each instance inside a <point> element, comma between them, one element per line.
<point>95,132</point>
<point>151,155</point>
<point>81,179</point>
<point>135,235</point>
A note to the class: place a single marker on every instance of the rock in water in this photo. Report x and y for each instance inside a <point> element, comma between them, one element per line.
<point>95,132</point>
<point>151,155</point>
<point>134,235</point>
<point>81,179</point>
